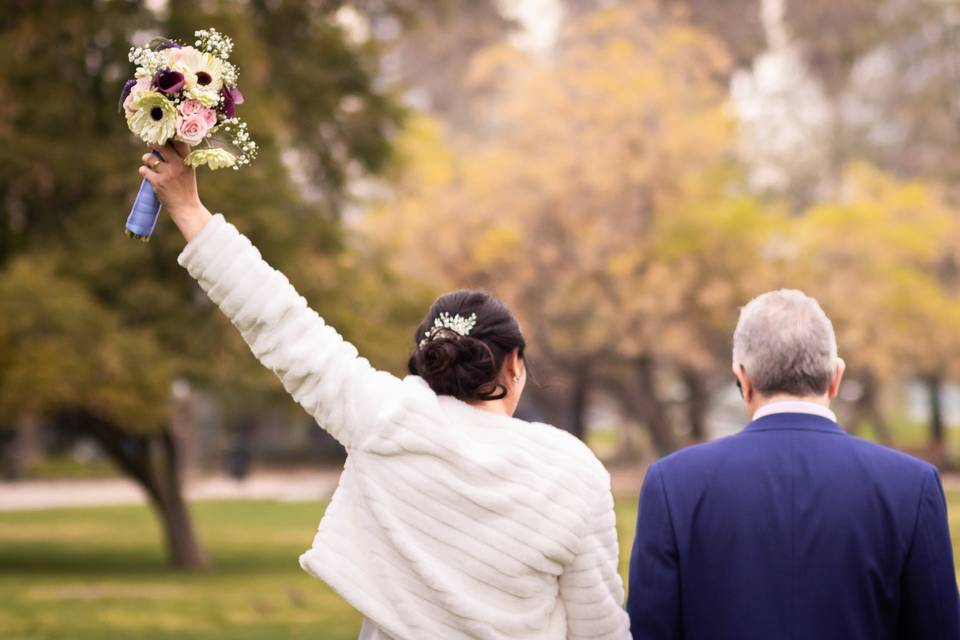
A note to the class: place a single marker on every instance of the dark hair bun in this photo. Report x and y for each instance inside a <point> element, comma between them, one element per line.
<point>463,367</point>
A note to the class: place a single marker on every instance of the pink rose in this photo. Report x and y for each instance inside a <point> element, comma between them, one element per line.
<point>190,107</point>
<point>209,116</point>
<point>192,129</point>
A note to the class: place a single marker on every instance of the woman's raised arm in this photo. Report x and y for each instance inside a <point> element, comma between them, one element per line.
<point>317,366</point>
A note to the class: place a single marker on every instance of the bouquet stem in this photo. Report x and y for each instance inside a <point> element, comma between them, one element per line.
<point>144,213</point>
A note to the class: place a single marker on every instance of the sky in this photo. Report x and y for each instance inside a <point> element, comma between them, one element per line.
<point>540,20</point>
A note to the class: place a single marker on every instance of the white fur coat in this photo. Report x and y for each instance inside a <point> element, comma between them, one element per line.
<point>450,522</point>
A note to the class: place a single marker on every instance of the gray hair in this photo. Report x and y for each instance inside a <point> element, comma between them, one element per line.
<point>786,344</point>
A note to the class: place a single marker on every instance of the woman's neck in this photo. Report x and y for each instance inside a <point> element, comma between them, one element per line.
<point>493,406</point>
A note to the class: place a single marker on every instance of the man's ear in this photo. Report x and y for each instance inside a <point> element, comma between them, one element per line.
<point>837,379</point>
<point>746,387</point>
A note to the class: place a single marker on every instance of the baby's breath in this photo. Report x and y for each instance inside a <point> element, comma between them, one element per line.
<point>148,61</point>
<point>212,41</point>
<point>230,74</point>
<point>240,138</point>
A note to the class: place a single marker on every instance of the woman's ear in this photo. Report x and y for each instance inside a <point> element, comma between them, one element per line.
<point>513,368</point>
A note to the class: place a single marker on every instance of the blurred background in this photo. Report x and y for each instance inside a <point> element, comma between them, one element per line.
<point>624,174</point>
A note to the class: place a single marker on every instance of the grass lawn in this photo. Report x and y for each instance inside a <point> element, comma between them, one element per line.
<point>78,574</point>
<point>99,573</point>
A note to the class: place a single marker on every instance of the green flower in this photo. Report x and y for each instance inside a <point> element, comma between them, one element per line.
<point>204,96</point>
<point>214,158</point>
<point>153,118</point>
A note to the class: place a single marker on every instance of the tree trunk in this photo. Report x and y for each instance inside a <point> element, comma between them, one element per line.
<point>640,399</point>
<point>698,402</point>
<point>868,405</point>
<point>182,547</point>
<point>562,400</point>
<point>26,443</point>
<point>934,384</point>
<point>152,460</point>
<point>579,402</point>
<point>652,409</point>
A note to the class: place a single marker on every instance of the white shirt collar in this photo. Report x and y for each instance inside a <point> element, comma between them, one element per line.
<point>795,406</point>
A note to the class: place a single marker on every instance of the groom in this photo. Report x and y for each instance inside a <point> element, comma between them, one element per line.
<point>791,529</point>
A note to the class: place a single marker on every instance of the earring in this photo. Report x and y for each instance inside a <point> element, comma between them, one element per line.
<point>516,378</point>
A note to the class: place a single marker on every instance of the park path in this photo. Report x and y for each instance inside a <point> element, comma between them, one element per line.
<point>296,486</point>
<point>284,486</point>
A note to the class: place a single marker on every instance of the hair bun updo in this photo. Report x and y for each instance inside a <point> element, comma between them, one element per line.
<point>458,367</point>
<point>466,367</point>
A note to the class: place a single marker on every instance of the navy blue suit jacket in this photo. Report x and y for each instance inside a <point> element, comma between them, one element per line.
<point>792,529</point>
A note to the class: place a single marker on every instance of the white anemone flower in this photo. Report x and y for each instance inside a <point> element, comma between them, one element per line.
<point>152,118</point>
<point>201,71</point>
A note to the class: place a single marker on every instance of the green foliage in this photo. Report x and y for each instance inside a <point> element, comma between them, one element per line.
<point>874,258</point>
<point>94,321</point>
<point>59,347</point>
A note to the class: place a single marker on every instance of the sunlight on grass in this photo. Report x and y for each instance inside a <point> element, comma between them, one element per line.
<point>910,435</point>
<point>100,573</point>
<point>95,573</point>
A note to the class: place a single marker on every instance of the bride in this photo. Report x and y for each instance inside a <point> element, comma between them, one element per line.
<point>452,518</point>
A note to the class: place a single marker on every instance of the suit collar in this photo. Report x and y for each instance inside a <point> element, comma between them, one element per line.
<point>795,422</point>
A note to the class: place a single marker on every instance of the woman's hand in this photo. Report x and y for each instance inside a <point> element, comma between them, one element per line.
<point>176,185</point>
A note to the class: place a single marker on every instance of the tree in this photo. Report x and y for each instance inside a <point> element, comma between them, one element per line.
<point>432,55</point>
<point>851,82</point>
<point>848,81</point>
<point>555,202</point>
<point>886,240</point>
<point>98,326</point>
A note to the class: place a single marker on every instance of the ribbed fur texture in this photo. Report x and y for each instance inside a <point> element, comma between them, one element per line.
<point>449,522</point>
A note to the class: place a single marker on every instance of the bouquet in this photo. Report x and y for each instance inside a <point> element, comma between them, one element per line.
<point>187,94</point>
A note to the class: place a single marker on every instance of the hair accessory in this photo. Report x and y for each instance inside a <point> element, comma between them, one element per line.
<point>446,323</point>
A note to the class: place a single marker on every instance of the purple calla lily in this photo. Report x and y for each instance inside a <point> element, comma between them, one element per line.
<point>231,98</point>
<point>168,81</point>
<point>127,86</point>
<point>159,44</point>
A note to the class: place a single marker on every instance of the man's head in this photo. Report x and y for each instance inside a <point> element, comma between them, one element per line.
<point>784,347</point>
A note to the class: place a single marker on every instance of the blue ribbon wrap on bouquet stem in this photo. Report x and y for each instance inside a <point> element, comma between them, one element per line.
<point>145,211</point>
